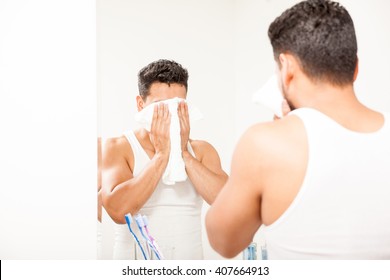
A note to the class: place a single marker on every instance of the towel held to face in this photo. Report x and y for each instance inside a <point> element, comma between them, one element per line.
<point>270,96</point>
<point>175,170</point>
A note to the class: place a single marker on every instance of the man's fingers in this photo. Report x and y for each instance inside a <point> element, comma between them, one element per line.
<point>183,115</point>
<point>161,110</point>
<point>186,113</point>
<point>285,110</point>
<point>168,116</point>
<point>285,107</point>
<point>180,109</point>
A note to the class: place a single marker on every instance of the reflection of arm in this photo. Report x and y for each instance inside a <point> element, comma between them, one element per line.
<point>122,192</point>
<point>206,174</point>
<point>235,216</point>
<point>99,178</point>
<point>100,204</point>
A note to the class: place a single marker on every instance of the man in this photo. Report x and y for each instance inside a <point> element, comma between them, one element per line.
<point>134,164</point>
<point>318,179</point>
<point>99,179</point>
<point>99,198</point>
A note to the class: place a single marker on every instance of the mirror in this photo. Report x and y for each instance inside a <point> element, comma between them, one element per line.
<point>225,48</point>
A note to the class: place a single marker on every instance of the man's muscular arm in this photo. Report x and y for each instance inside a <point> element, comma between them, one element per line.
<point>122,192</point>
<point>235,216</point>
<point>205,172</point>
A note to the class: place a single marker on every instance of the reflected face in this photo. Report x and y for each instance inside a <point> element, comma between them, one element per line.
<point>161,91</point>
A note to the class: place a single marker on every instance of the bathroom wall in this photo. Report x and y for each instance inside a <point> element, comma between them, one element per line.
<point>225,47</point>
<point>48,97</point>
<point>48,130</point>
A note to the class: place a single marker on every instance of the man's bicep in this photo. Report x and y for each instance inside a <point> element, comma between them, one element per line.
<point>232,220</point>
<point>239,207</point>
<point>242,190</point>
<point>115,169</point>
<point>211,159</point>
<point>235,215</point>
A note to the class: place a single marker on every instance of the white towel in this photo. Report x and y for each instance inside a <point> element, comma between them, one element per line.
<point>175,170</point>
<point>270,96</point>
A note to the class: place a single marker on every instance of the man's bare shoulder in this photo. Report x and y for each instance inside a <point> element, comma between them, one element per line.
<point>200,144</point>
<point>115,144</point>
<point>117,147</point>
<point>273,141</point>
<point>284,131</point>
<point>202,148</point>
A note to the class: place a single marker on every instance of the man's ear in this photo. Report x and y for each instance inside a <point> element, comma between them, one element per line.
<point>355,74</point>
<point>287,68</point>
<point>140,103</point>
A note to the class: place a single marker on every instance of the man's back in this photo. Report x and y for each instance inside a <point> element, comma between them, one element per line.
<point>342,208</point>
<point>317,179</point>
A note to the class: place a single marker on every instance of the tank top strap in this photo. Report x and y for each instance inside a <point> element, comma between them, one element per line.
<point>190,150</point>
<point>140,156</point>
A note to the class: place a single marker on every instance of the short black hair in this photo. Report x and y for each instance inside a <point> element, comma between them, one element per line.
<point>163,71</point>
<point>321,35</point>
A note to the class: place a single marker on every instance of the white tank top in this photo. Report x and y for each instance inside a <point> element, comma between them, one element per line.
<point>174,214</point>
<point>342,210</point>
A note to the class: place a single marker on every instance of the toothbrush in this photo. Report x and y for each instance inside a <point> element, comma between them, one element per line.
<point>141,226</point>
<point>157,249</point>
<point>129,220</point>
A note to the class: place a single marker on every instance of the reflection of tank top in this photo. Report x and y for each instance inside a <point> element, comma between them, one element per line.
<point>174,214</point>
<point>342,210</point>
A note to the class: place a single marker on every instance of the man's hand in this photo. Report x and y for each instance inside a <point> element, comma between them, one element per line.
<point>285,109</point>
<point>182,111</point>
<point>159,131</point>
